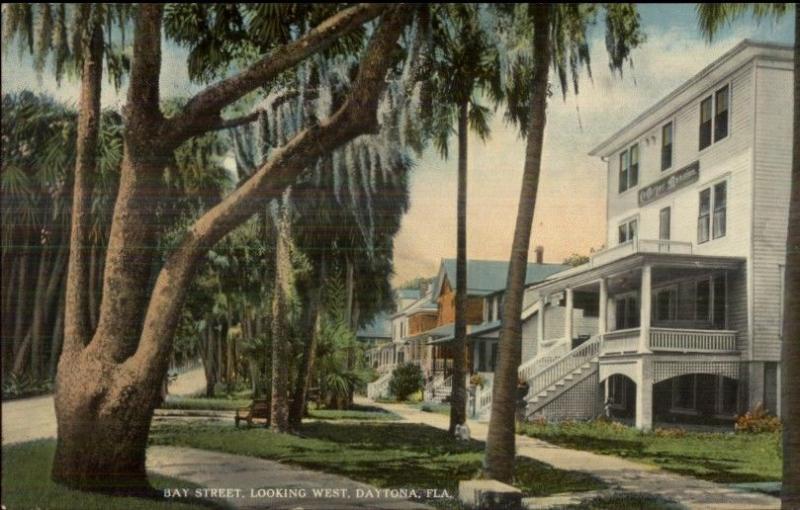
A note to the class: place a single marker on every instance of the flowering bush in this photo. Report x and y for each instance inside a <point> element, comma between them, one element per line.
<point>477,380</point>
<point>758,420</point>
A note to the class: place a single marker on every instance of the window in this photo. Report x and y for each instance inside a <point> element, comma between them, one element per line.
<point>703,216</point>
<point>629,168</point>
<point>721,115</point>
<point>627,231</point>
<point>720,207</point>
<point>714,117</point>
<point>705,123</point>
<point>719,298</point>
<point>666,308</point>
<point>664,224</point>
<point>702,307</point>
<point>717,226</point>
<point>627,312</point>
<point>666,146</point>
<point>623,171</point>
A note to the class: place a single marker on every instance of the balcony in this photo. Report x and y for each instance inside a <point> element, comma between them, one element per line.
<point>639,246</point>
<point>670,340</point>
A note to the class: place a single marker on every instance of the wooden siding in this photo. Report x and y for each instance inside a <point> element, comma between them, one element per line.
<point>773,154</point>
<point>422,321</point>
<point>729,158</point>
<point>447,307</point>
<point>554,328</point>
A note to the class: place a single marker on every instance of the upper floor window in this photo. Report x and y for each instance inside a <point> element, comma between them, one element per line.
<point>712,216</point>
<point>714,117</point>
<point>627,231</point>
<point>666,146</point>
<point>629,168</point>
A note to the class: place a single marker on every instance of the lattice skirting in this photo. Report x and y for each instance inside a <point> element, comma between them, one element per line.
<point>663,370</point>
<point>583,401</point>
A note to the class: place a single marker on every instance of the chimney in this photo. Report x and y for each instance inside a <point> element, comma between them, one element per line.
<point>539,254</point>
<point>423,287</point>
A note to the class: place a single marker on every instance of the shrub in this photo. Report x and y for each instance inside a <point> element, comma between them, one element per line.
<point>477,380</point>
<point>757,420</point>
<point>406,380</point>
<point>669,432</point>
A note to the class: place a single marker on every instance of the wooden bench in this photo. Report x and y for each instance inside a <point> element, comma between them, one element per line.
<point>258,409</point>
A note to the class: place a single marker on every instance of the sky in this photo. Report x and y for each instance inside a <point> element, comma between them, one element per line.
<point>570,209</point>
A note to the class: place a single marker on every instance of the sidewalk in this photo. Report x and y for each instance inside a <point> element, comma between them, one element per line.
<point>631,476</point>
<point>268,484</point>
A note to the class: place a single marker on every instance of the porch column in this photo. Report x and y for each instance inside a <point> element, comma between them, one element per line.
<point>602,320</point>
<point>540,323</point>
<point>645,307</point>
<point>644,393</point>
<point>568,318</point>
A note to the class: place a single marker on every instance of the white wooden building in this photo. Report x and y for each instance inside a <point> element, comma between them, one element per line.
<point>688,293</point>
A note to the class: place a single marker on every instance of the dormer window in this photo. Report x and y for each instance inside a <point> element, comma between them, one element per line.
<point>714,117</point>
<point>629,168</point>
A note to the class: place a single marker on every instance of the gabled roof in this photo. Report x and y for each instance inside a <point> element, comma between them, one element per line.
<point>486,277</point>
<point>407,293</point>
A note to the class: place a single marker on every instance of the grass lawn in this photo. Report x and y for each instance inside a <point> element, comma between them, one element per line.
<point>626,501</point>
<point>357,412</point>
<point>204,404</point>
<point>27,486</point>
<point>718,457</point>
<point>231,404</point>
<point>430,407</point>
<point>391,455</point>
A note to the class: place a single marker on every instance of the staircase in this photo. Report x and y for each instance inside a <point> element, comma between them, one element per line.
<point>557,377</point>
<point>439,390</point>
<point>380,387</point>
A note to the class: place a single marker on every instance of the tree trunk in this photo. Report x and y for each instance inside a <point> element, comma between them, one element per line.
<point>41,306</point>
<point>103,420</point>
<point>500,448</point>
<point>94,276</point>
<point>790,370</point>
<point>280,371</point>
<point>458,398</point>
<point>57,336</point>
<point>207,355</point>
<point>304,375</point>
<point>22,298</point>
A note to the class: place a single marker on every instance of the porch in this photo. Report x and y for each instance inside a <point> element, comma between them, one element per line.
<point>664,311</point>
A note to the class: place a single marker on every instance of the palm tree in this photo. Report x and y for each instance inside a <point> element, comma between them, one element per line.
<point>463,65</point>
<point>559,38</point>
<point>710,18</point>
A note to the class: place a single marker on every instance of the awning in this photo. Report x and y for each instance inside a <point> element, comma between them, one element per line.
<point>472,332</point>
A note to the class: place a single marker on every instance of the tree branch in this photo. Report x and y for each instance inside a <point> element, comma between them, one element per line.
<point>236,121</point>
<point>357,116</point>
<point>202,112</point>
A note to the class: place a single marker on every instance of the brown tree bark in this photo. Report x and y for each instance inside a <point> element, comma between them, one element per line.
<point>104,420</point>
<point>500,449</point>
<point>790,350</point>
<point>57,336</point>
<point>458,397</point>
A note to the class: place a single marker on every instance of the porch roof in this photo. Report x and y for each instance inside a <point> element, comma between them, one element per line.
<point>476,331</point>
<point>589,273</point>
<point>439,331</point>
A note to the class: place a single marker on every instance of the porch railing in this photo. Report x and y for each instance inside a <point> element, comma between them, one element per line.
<point>692,340</point>
<point>544,358</point>
<point>620,342</point>
<point>584,353</point>
<point>639,246</point>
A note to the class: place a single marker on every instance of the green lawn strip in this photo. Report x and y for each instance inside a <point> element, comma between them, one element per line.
<point>27,485</point>
<point>356,413</point>
<point>717,457</point>
<point>204,404</point>
<point>626,501</point>
<point>388,455</point>
<point>430,407</point>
